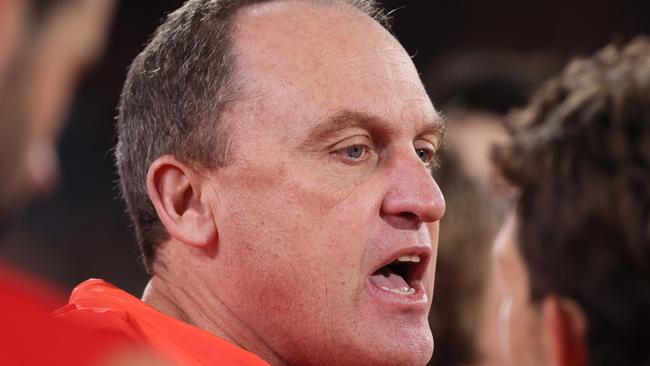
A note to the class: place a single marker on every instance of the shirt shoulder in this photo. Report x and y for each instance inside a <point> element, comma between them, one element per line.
<point>103,308</point>
<point>108,310</point>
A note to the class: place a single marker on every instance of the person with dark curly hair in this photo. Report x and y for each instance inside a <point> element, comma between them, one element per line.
<point>573,258</point>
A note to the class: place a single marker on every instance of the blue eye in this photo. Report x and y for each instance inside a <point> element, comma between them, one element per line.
<point>354,151</point>
<point>424,155</point>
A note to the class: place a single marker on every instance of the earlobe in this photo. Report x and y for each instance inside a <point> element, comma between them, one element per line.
<point>565,329</point>
<point>176,192</point>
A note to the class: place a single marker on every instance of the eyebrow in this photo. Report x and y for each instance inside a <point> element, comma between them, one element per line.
<point>331,125</point>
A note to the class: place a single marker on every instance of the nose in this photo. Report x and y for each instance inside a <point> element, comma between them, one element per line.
<point>413,197</point>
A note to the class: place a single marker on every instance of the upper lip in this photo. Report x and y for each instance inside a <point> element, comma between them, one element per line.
<point>420,268</point>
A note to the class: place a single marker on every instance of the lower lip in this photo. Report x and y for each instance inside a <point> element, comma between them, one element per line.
<point>415,301</point>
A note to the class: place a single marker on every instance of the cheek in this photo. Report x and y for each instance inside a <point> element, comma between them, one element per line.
<point>287,246</point>
<point>292,229</point>
<point>292,219</point>
<point>517,330</point>
<point>504,317</point>
<point>508,325</point>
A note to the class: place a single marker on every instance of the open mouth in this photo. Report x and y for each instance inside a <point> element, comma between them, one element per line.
<point>402,276</point>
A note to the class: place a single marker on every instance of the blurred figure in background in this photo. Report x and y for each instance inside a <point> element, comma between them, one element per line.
<point>470,223</point>
<point>44,48</point>
<point>12,26</point>
<point>572,262</point>
<point>476,89</point>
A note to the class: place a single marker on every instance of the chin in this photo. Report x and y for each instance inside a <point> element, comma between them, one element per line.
<point>412,347</point>
<point>383,345</point>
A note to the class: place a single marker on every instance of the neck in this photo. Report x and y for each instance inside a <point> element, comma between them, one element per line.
<point>182,303</point>
<point>170,292</point>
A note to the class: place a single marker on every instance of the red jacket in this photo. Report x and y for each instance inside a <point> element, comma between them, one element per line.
<point>110,310</point>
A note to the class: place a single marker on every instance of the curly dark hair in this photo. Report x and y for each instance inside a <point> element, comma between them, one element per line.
<point>580,158</point>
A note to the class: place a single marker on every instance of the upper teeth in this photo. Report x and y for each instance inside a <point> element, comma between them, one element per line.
<point>409,258</point>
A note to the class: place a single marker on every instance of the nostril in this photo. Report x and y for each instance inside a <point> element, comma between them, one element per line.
<point>409,216</point>
<point>403,221</point>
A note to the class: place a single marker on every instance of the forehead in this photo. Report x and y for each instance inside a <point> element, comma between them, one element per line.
<point>310,60</point>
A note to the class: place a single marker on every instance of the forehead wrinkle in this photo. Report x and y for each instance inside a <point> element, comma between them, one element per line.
<point>330,125</point>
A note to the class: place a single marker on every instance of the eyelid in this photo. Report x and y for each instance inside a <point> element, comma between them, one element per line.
<point>358,139</point>
<point>340,155</point>
<point>425,144</point>
<point>338,149</point>
<point>433,141</point>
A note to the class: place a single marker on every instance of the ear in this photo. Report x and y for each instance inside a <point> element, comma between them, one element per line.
<point>565,327</point>
<point>177,193</point>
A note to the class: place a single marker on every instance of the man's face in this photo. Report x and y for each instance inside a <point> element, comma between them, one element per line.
<point>328,184</point>
<point>519,320</point>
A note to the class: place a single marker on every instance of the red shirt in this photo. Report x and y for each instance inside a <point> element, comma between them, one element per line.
<point>108,309</point>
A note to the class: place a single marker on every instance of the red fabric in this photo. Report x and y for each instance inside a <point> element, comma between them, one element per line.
<point>111,310</point>
<point>30,335</point>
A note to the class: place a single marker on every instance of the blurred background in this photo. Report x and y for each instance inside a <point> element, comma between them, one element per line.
<point>478,59</point>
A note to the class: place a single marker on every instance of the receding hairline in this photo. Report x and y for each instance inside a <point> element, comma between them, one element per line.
<point>236,88</point>
<point>253,15</point>
<point>240,90</point>
<point>352,8</point>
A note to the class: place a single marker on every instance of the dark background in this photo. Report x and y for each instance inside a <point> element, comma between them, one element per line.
<point>82,230</point>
